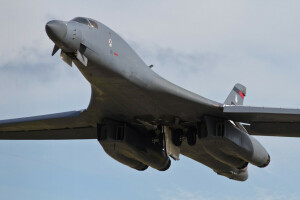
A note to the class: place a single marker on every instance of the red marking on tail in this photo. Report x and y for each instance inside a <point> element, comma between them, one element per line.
<point>115,54</point>
<point>241,94</point>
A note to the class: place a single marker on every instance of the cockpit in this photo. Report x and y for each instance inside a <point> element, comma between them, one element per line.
<point>86,21</point>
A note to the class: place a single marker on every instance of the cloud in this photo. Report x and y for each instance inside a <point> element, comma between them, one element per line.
<point>265,194</point>
<point>213,74</point>
<point>180,194</point>
<point>259,194</point>
<point>213,26</point>
<point>41,87</point>
<point>203,46</point>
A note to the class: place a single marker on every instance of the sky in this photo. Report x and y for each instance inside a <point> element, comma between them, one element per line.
<point>203,46</point>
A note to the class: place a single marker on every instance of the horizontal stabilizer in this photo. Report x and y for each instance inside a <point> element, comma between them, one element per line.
<point>249,114</point>
<point>266,121</point>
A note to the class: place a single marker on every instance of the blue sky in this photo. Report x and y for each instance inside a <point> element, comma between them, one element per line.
<point>203,46</point>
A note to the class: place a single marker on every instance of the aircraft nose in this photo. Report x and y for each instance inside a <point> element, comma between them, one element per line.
<point>56,30</point>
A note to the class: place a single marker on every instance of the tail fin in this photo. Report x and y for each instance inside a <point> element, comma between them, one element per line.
<point>237,95</point>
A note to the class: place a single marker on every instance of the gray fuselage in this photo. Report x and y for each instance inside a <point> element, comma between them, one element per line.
<point>126,86</point>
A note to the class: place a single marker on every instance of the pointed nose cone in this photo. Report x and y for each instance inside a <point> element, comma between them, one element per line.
<point>56,30</point>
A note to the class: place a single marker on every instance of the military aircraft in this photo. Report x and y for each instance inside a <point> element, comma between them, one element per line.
<point>141,119</point>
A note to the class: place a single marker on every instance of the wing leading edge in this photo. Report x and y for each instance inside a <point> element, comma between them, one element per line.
<point>266,121</point>
<point>66,125</point>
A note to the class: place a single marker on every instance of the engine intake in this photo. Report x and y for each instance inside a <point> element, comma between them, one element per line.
<point>132,146</point>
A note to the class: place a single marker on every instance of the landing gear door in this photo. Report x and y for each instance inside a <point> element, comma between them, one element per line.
<point>171,150</point>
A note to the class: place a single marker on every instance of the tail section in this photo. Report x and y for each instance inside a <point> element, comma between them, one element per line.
<point>237,95</point>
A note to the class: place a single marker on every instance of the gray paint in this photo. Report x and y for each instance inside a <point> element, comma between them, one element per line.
<point>236,96</point>
<point>125,89</point>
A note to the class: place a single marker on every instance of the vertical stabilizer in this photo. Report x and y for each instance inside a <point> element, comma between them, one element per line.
<point>237,95</point>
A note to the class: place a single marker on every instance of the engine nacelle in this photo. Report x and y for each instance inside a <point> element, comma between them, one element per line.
<point>232,146</point>
<point>132,146</point>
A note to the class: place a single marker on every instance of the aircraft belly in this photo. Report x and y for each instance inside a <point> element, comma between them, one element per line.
<point>119,98</point>
<point>128,101</point>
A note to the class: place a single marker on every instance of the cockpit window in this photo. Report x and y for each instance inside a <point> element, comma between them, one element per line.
<point>93,24</point>
<point>81,20</point>
<point>85,21</point>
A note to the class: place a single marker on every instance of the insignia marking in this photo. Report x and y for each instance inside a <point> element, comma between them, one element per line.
<point>241,94</point>
<point>110,42</point>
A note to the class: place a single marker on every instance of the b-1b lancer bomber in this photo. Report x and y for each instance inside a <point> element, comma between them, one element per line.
<point>141,120</point>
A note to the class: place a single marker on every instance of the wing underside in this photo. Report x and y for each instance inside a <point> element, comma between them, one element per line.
<point>66,125</point>
<point>266,121</point>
